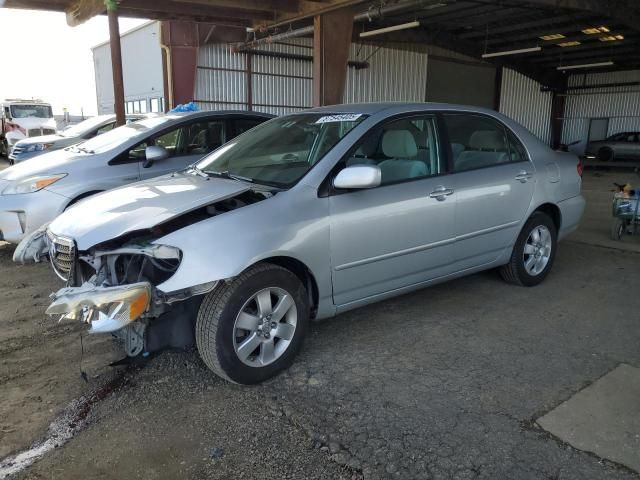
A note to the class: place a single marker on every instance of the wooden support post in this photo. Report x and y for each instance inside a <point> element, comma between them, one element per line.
<point>116,61</point>
<point>331,42</point>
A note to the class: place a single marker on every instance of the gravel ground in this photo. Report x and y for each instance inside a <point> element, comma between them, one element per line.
<point>442,383</point>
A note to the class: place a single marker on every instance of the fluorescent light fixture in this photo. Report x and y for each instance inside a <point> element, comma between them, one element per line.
<point>553,36</point>
<point>573,43</point>
<point>594,30</point>
<point>611,38</point>
<point>511,52</point>
<point>394,28</point>
<point>585,65</point>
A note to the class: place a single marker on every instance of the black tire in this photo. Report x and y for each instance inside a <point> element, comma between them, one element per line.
<point>606,154</point>
<point>4,149</point>
<point>218,312</point>
<point>618,227</point>
<point>515,272</point>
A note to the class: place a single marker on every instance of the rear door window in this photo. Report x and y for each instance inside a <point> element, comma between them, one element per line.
<point>478,141</point>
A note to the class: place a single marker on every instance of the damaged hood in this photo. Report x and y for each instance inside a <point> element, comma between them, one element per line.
<point>140,206</point>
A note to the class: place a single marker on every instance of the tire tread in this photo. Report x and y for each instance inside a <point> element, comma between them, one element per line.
<point>211,311</point>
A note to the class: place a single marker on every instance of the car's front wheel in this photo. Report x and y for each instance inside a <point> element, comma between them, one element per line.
<point>533,253</point>
<point>251,328</point>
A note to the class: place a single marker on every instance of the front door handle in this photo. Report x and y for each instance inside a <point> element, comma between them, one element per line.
<point>441,193</point>
<point>523,176</point>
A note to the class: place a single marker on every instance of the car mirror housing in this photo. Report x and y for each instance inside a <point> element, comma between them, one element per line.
<point>358,176</point>
<point>154,153</point>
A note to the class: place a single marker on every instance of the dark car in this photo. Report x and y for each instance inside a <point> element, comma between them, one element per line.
<point>621,146</point>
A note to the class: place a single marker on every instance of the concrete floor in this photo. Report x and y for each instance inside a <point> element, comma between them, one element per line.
<point>604,418</point>
<point>447,382</point>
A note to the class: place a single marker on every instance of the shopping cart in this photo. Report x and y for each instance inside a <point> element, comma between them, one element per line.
<point>625,215</point>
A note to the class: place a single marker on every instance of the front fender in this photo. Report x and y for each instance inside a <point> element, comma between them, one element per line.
<point>290,224</point>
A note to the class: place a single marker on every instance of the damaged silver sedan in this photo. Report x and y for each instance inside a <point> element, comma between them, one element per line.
<point>304,217</point>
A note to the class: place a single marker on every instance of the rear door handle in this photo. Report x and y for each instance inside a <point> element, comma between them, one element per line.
<point>523,176</point>
<point>441,193</point>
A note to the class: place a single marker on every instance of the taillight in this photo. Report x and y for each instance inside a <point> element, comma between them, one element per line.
<point>580,168</point>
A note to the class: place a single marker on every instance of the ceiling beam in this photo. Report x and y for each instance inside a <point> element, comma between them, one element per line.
<point>220,21</point>
<point>626,12</point>
<point>570,29</point>
<point>525,26</point>
<point>79,11</point>
<point>154,7</point>
<point>291,6</point>
<point>54,5</point>
<point>309,9</point>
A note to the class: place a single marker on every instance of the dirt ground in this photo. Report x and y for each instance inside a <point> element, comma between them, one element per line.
<point>442,383</point>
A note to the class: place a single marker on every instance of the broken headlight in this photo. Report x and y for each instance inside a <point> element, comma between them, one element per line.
<point>106,309</point>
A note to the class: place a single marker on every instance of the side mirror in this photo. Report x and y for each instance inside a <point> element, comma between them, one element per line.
<point>358,176</point>
<point>154,153</point>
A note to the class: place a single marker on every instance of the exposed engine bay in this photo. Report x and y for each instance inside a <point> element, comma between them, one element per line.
<point>112,286</point>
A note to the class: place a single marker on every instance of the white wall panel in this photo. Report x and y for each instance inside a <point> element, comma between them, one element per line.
<point>522,100</point>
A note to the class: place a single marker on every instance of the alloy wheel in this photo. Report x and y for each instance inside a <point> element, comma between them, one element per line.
<point>537,250</point>
<point>264,327</point>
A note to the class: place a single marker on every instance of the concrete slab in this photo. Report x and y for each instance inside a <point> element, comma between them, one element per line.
<point>603,418</point>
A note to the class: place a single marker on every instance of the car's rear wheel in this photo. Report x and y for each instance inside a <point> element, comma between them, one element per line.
<point>606,154</point>
<point>251,328</point>
<point>534,252</point>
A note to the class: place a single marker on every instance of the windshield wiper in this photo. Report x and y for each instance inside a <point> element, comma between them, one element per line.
<point>230,176</point>
<point>197,171</point>
<point>81,149</point>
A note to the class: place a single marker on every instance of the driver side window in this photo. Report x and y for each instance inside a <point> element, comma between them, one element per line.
<point>404,150</point>
<point>168,140</point>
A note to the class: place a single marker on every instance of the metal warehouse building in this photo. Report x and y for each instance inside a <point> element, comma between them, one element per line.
<point>569,70</point>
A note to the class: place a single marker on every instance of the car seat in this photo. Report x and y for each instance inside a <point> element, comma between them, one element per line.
<point>486,148</point>
<point>400,146</point>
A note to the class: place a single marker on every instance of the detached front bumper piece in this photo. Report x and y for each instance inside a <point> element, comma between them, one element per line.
<point>106,309</point>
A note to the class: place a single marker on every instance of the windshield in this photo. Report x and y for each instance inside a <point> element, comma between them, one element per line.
<point>81,128</point>
<point>117,136</point>
<point>281,151</point>
<point>24,111</point>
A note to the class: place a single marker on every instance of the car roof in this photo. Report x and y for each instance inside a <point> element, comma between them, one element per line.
<point>208,113</point>
<point>397,107</point>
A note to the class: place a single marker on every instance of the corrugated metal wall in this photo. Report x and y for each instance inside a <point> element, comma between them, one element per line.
<point>221,89</point>
<point>394,75</point>
<point>522,100</point>
<point>621,105</point>
<point>281,85</point>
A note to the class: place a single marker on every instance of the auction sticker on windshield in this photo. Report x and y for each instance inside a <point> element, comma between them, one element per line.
<point>346,117</point>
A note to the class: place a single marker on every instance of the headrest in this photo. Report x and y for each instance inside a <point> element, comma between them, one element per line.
<point>487,140</point>
<point>399,144</point>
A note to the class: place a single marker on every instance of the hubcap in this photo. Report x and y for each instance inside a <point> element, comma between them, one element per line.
<point>265,326</point>
<point>537,250</point>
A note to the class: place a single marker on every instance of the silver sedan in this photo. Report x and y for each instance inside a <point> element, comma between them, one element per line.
<point>307,216</point>
<point>35,192</point>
